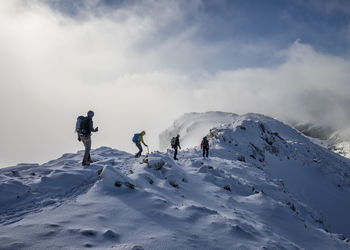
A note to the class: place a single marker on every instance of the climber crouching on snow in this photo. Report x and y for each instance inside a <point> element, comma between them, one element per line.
<point>205,146</point>
<point>137,139</point>
<point>84,128</point>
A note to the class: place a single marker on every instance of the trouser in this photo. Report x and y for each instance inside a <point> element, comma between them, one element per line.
<point>175,152</point>
<point>138,145</point>
<point>205,152</point>
<point>87,144</point>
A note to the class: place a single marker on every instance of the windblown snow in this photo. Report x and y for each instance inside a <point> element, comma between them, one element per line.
<point>265,186</point>
<point>193,126</point>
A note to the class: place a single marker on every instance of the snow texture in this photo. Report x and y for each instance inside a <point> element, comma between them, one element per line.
<point>193,126</point>
<point>264,186</point>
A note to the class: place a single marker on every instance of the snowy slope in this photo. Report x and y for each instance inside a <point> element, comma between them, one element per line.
<point>341,148</point>
<point>265,187</point>
<point>192,127</point>
<point>337,140</point>
<point>316,176</point>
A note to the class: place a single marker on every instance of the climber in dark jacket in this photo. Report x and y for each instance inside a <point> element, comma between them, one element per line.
<point>85,137</point>
<point>176,145</point>
<point>205,146</point>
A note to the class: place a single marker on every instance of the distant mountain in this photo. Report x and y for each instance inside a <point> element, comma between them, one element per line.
<point>264,186</point>
<point>338,140</point>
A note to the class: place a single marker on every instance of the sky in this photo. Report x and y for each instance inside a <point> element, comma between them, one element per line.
<point>141,64</point>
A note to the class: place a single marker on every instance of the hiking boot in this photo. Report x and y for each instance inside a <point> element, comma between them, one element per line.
<point>176,159</point>
<point>90,161</point>
<point>85,163</point>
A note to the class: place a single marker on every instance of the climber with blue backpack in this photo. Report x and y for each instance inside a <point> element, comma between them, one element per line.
<point>137,139</point>
<point>84,127</point>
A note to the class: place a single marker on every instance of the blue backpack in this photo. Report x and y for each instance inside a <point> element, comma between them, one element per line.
<point>135,138</point>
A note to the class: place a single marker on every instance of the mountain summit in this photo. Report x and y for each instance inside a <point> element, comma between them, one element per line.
<point>264,186</point>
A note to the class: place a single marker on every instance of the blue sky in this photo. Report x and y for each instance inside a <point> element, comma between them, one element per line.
<point>269,25</point>
<point>141,64</point>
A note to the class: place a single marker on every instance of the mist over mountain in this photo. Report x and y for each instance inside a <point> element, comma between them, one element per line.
<point>141,64</point>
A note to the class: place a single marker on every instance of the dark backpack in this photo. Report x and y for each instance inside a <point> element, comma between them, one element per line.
<point>205,143</point>
<point>82,125</point>
<point>173,142</point>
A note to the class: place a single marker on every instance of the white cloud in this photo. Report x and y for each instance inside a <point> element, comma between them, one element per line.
<point>121,65</point>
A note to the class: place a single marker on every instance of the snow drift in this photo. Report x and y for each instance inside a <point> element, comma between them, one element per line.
<point>193,126</point>
<point>265,186</point>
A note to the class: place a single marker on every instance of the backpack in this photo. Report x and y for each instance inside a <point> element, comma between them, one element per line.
<point>135,137</point>
<point>173,142</point>
<point>82,125</point>
<point>79,124</point>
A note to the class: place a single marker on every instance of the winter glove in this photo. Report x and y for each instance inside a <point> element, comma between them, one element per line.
<point>96,129</point>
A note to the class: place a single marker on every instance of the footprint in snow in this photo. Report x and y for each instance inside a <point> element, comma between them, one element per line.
<point>137,248</point>
<point>88,233</point>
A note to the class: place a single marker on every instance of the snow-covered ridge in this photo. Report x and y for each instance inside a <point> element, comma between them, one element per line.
<point>315,175</point>
<point>265,186</point>
<point>192,127</point>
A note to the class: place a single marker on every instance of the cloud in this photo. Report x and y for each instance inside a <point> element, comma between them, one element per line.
<point>308,86</point>
<point>139,67</point>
